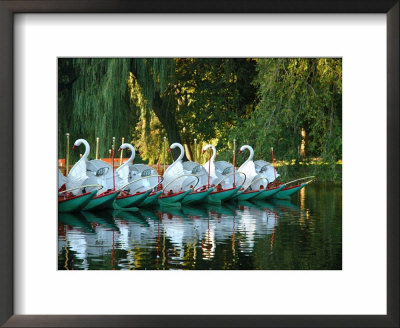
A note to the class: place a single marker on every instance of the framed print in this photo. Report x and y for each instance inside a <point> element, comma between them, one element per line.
<point>252,262</point>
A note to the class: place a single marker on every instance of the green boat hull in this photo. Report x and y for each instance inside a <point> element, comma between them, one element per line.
<point>173,200</point>
<point>101,202</point>
<point>268,193</point>
<point>75,204</point>
<point>217,197</point>
<point>287,192</point>
<point>247,195</point>
<point>150,199</point>
<point>196,197</point>
<point>130,200</point>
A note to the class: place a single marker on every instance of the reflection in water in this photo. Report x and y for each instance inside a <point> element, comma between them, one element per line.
<point>297,234</point>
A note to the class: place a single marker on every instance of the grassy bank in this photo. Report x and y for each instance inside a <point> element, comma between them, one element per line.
<point>323,172</point>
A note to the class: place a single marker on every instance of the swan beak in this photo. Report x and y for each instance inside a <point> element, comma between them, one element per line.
<point>119,149</point>
<point>239,152</point>
<point>203,151</point>
<point>73,147</point>
<point>169,149</point>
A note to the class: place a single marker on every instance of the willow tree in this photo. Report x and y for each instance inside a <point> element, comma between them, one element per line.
<point>152,89</point>
<point>94,101</point>
<point>299,101</point>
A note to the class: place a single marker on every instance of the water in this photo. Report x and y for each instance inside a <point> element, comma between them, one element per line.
<point>304,233</point>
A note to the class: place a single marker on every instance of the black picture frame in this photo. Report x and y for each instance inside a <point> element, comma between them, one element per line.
<point>10,7</point>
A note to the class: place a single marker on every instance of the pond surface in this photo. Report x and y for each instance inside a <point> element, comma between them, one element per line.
<point>304,233</point>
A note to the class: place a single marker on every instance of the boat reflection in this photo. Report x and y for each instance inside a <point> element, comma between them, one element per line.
<point>168,237</point>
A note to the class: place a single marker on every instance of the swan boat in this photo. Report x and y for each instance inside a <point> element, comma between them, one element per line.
<point>92,173</point>
<point>172,199</point>
<point>73,195</point>
<point>177,184</point>
<point>151,199</point>
<point>269,192</point>
<point>277,189</point>
<point>223,176</point>
<point>222,195</point>
<point>102,201</point>
<point>136,182</point>
<point>197,196</point>
<point>254,184</point>
<point>67,202</point>
<point>200,194</point>
<point>142,188</point>
<point>289,190</point>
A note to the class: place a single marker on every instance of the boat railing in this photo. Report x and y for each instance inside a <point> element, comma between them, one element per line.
<point>231,174</point>
<point>144,178</point>
<point>301,179</point>
<point>255,180</point>
<point>80,187</point>
<point>181,176</point>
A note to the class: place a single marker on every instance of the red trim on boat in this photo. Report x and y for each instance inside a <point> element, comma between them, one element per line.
<point>268,189</point>
<point>172,195</point>
<point>250,191</point>
<point>131,195</point>
<point>291,187</point>
<point>198,192</point>
<point>217,191</point>
<point>73,197</point>
<point>274,184</point>
<point>106,193</point>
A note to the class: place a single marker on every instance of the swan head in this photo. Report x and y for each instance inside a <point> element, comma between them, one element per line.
<point>205,148</point>
<point>174,145</point>
<point>245,147</point>
<point>126,145</point>
<point>78,143</point>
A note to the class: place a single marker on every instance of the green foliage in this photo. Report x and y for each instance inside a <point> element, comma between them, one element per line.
<point>150,76</point>
<point>150,146</point>
<point>97,104</point>
<point>213,93</point>
<point>295,94</point>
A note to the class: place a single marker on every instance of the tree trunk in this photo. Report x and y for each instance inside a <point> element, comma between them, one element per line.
<point>188,152</point>
<point>167,119</point>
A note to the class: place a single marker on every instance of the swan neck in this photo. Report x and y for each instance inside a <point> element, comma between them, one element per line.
<point>214,153</point>
<point>131,158</point>
<point>87,151</point>
<point>250,156</point>
<point>181,154</point>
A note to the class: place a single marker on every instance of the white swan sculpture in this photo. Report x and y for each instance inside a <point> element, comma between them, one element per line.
<point>77,175</point>
<point>100,173</point>
<point>221,171</point>
<point>129,172</point>
<point>209,166</point>
<point>253,180</point>
<point>266,170</point>
<point>176,170</point>
<point>122,172</point>
<point>84,172</point>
